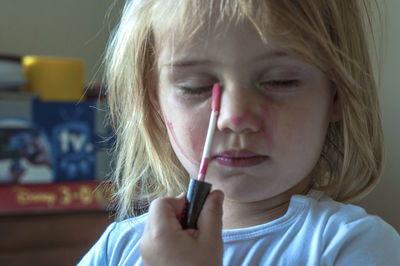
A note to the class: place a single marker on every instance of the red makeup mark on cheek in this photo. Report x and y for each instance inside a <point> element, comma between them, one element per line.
<point>171,129</point>
<point>197,139</point>
<point>268,124</point>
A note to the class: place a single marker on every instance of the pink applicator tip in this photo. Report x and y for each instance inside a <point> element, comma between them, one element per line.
<point>216,97</point>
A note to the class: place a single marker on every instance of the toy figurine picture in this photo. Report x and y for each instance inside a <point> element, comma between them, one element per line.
<point>24,153</point>
<point>56,141</point>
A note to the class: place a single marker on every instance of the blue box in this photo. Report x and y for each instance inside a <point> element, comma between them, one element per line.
<point>44,142</point>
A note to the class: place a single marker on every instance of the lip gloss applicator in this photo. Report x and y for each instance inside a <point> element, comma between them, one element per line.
<point>198,189</point>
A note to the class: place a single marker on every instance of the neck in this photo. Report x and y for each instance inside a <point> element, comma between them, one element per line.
<point>245,214</point>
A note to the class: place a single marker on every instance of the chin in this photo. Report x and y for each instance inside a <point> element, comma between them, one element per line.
<point>243,193</point>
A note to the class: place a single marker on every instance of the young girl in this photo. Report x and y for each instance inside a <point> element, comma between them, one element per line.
<point>298,136</point>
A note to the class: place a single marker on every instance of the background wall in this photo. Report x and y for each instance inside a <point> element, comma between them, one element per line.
<point>385,199</point>
<point>71,28</point>
<point>77,28</point>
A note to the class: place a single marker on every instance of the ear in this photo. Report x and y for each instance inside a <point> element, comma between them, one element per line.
<point>336,105</point>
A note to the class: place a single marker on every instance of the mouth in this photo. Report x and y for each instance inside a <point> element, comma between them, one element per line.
<point>239,158</point>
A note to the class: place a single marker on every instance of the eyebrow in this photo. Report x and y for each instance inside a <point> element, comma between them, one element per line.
<point>188,63</point>
<point>196,62</point>
<point>270,54</point>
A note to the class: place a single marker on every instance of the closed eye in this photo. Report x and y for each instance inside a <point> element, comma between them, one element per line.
<point>280,83</point>
<point>195,91</point>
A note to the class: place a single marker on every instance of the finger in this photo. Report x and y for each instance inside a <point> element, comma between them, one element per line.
<point>210,220</point>
<point>161,224</point>
<point>182,195</point>
<point>163,213</point>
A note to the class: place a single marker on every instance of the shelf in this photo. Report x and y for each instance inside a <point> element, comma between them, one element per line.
<point>50,239</point>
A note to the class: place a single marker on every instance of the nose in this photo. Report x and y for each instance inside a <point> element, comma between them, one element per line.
<point>240,111</point>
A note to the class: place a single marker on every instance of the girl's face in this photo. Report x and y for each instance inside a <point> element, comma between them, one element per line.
<point>275,110</point>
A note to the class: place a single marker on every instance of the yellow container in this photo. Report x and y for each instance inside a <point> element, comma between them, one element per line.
<point>54,78</point>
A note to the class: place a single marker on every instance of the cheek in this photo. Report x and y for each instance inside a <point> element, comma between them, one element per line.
<point>188,133</point>
<point>197,135</point>
<point>302,129</point>
<point>268,115</point>
<point>178,142</point>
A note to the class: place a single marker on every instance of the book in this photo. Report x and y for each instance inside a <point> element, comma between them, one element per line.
<point>46,142</point>
<point>54,197</point>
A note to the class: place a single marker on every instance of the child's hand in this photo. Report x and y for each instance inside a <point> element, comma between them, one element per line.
<point>164,242</point>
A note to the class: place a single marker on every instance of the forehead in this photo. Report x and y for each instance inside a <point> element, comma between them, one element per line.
<point>226,43</point>
<point>185,24</point>
<point>194,26</point>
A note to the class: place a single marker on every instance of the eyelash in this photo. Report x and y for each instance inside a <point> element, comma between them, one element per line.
<point>205,90</point>
<point>196,91</point>
<point>281,83</point>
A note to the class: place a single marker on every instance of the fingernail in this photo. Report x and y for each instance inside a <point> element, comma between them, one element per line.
<point>220,198</point>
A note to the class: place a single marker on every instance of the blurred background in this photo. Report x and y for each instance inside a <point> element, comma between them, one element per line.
<point>78,31</point>
<point>53,141</point>
<point>385,199</point>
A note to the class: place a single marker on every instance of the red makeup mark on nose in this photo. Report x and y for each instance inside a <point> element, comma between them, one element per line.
<point>171,129</point>
<point>238,120</point>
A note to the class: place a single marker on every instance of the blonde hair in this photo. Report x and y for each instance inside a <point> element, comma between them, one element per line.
<point>330,34</point>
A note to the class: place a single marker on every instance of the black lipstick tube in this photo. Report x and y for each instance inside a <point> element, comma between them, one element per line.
<point>195,198</point>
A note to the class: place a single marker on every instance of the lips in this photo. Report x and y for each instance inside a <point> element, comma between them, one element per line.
<point>239,158</point>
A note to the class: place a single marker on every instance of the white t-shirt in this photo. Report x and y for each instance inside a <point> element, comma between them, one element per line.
<point>315,231</point>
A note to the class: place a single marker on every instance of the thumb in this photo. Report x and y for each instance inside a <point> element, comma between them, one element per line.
<point>210,220</point>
